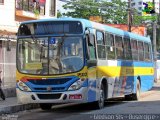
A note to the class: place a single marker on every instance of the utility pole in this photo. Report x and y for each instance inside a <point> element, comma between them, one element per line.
<point>154,36</point>
<point>129,16</point>
<point>154,44</point>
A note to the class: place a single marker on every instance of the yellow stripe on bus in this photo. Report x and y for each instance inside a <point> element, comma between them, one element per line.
<point>113,71</point>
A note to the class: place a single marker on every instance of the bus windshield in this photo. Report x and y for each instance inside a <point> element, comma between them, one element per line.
<point>50,55</point>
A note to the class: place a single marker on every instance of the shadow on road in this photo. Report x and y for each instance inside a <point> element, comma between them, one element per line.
<point>86,107</point>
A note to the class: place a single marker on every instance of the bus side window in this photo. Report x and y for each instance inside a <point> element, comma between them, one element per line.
<point>141,51</point>
<point>100,45</point>
<point>127,49</point>
<point>146,52</point>
<point>110,46</point>
<point>91,47</point>
<point>134,49</point>
<point>119,47</point>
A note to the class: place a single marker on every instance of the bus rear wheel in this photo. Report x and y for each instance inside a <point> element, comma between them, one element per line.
<point>137,95</point>
<point>45,106</point>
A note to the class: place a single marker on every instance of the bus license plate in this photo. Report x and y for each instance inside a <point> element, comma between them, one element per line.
<point>75,96</point>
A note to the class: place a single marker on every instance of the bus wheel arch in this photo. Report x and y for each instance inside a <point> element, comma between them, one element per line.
<point>136,95</point>
<point>105,85</point>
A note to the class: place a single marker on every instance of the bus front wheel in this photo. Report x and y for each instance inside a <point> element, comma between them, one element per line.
<point>100,103</point>
<point>45,106</point>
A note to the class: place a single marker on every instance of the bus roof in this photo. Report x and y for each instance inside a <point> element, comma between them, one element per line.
<point>99,26</point>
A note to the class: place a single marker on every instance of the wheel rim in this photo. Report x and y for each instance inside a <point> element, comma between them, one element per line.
<point>138,91</point>
<point>101,99</point>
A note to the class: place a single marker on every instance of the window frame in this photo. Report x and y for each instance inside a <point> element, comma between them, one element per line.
<point>119,47</point>
<point>2,2</point>
<point>111,45</point>
<point>128,48</point>
<point>135,40</point>
<point>95,49</point>
<point>102,44</point>
<point>140,51</point>
<point>149,51</point>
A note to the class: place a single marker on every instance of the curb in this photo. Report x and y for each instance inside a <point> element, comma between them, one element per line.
<point>17,108</point>
<point>9,92</point>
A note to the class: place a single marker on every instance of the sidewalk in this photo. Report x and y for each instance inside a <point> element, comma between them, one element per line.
<point>10,105</point>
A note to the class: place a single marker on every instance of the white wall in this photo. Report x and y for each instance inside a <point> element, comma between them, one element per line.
<point>7,13</point>
<point>47,11</point>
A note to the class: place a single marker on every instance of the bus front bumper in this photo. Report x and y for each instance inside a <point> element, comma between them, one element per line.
<point>77,96</point>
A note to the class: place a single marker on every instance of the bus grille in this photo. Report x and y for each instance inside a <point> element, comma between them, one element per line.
<point>49,96</point>
<point>55,88</point>
<point>49,81</point>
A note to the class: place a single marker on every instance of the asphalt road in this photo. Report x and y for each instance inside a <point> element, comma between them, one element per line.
<point>148,108</point>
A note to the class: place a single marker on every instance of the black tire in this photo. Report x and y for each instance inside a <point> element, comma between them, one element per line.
<point>100,103</point>
<point>128,97</point>
<point>2,95</point>
<point>137,95</point>
<point>45,106</point>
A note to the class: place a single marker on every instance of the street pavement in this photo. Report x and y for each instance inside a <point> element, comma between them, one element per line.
<point>10,105</point>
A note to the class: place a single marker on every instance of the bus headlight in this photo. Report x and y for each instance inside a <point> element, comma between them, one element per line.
<point>76,85</point>
<point>22,86</point>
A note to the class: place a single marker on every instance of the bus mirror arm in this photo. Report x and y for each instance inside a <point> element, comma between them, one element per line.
<point>91,63</point>
<point>87,31</point>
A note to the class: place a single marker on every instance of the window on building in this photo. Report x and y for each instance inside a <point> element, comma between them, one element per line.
<point>1,1</point>
<point>110,46</point>
<point>119,47</point>
<point>140,8</point>
<point>34,6</point>
<point>100,45</point>
<point>140,3</point>
<point>52,8</point>
<point>133,4</point>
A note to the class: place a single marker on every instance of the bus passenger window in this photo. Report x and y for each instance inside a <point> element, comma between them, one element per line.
<point>146,52</point>
<point>141,51</point>
<point>110,46</point>
<point>119,47</point>
<point>100,45</point>
<point>91,47</point>
<point>134,49</point>
<point>127,49</point>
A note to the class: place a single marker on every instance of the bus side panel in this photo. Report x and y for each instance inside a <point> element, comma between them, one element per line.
<point>92,84</point>
<point>146,81</point>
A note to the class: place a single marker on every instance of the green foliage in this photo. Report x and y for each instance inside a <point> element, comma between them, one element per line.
<point>81,9</point>
<point>59,14</point>
<point>114,12</point>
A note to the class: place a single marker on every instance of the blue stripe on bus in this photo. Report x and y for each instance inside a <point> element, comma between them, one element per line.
<point>146,83</point>
<point>134,63</point>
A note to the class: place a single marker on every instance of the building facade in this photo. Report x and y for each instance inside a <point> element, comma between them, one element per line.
<point>12,13</point>
<point>138,4</point>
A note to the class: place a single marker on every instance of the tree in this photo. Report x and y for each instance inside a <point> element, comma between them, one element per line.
<point>114,12</point>
<point>81,9</point>
<point>59,14</point>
